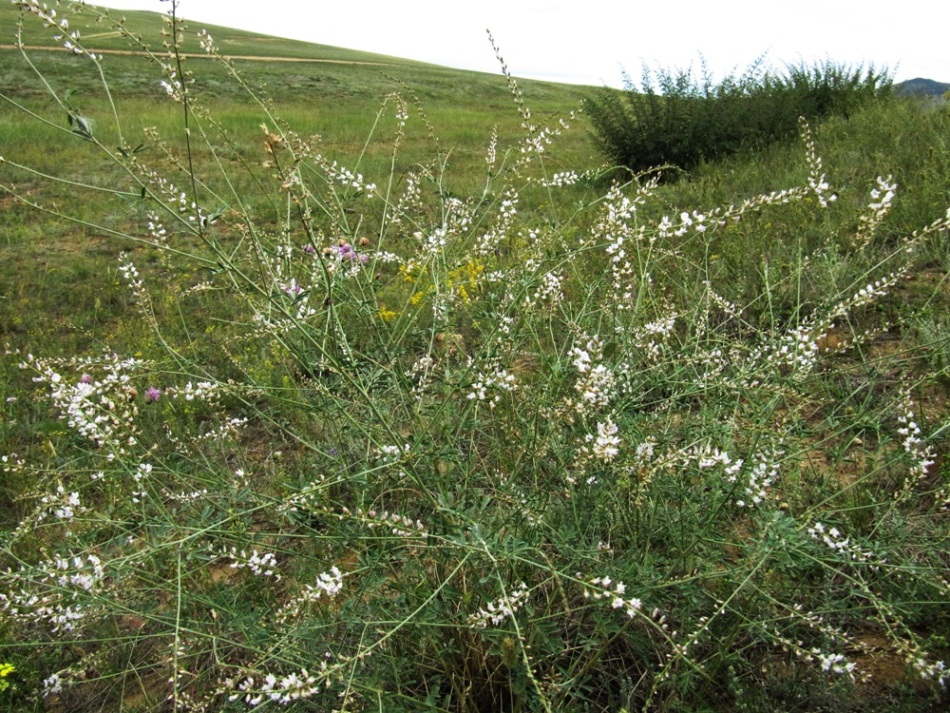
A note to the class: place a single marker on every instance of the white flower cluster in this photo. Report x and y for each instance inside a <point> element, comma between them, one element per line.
<point>913,444</point>
<point>397,524</point>
<point>142,471</point>
<point>183,497</point>
<point>283,691</point>
<point>410,198</point>
<point>328,585</point>
<point>816,178</point>
<point>64,578</point>
<point>605,588</point>
<point>489,387</point>
<point>615,228</point>
<point>760,477</point>
<point>62,505</point>
<point>52,685</point>
<point>650,336</point>
<point>488,243</point>
<point>836,540</point>
<point>206,42</point>
<point>11,463</point>
<point>227,430</point>
<point>538,141</point>
<point>393,454</point>
<point>881,198</point>
<point>157,230</point>
<point>696,221</point>
<point>596,382</point>
<point>797,350</point>
<point>561,179</point>
<point>936,671</point>
<point>606,445</point>
<point>347,178</point>
<point>834,663</point>
<point>645,451</point>
<point>867,294</point>
<point>202,391</point>
<point>101,410</point>
<point>173,87</point>
<point>707,458</point>
<point>59,26</point>
<point>75,571</point>
<point>262,565</point>
<point>549,293</point>
<point>497,611</point>
<point>422,374</point>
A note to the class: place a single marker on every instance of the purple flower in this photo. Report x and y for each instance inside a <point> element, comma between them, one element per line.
<point>85,379</point>
<point>152,394</point>
<point>346,251</point>
<point>309,249</point>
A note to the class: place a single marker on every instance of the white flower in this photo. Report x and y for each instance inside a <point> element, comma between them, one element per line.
<point>607,444</point>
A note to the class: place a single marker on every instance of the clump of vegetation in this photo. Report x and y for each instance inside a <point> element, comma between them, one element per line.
<point>675,121</point>
<point>361,441</point>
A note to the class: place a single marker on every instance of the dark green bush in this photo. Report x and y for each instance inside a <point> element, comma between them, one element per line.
<point>675,121</point>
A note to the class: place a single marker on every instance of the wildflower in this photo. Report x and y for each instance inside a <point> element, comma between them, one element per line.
<point>834,663</point>
<point>262,565</point>
<point>490,386</point>
<point>923,455</point>
<point>283,691</point>
<point>52,685</point>
<point>152,394</point>
<point>931,671</point>
<point>600,588</point>
<point>5,670</point>
<point>504,608</point>
<point>607,442</point>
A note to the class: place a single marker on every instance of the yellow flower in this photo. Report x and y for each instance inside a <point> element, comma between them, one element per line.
<point>5,670</point>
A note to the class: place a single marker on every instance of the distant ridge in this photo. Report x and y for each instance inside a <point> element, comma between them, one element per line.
<point>921,87</point>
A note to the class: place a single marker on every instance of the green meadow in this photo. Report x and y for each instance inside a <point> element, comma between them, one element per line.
<point>337,381</point>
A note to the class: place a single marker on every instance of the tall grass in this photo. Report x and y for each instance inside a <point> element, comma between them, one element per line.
<point>372,442</point>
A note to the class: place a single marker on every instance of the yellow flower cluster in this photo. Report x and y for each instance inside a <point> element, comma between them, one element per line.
<point>5,670</point>
<point>462,280</point>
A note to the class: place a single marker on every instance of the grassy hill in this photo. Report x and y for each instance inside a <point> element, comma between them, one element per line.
<point>328,71</point>
<point>367,386</point>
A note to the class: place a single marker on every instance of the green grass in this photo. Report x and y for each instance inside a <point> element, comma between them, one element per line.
<point>547,447</point>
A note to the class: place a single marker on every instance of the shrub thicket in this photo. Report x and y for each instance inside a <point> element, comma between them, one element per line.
<point>675,121</point>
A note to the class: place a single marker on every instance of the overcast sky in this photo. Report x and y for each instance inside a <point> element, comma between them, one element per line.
<point>591,41</point>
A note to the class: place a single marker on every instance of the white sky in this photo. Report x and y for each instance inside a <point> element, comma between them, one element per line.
<point>590,41</point>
